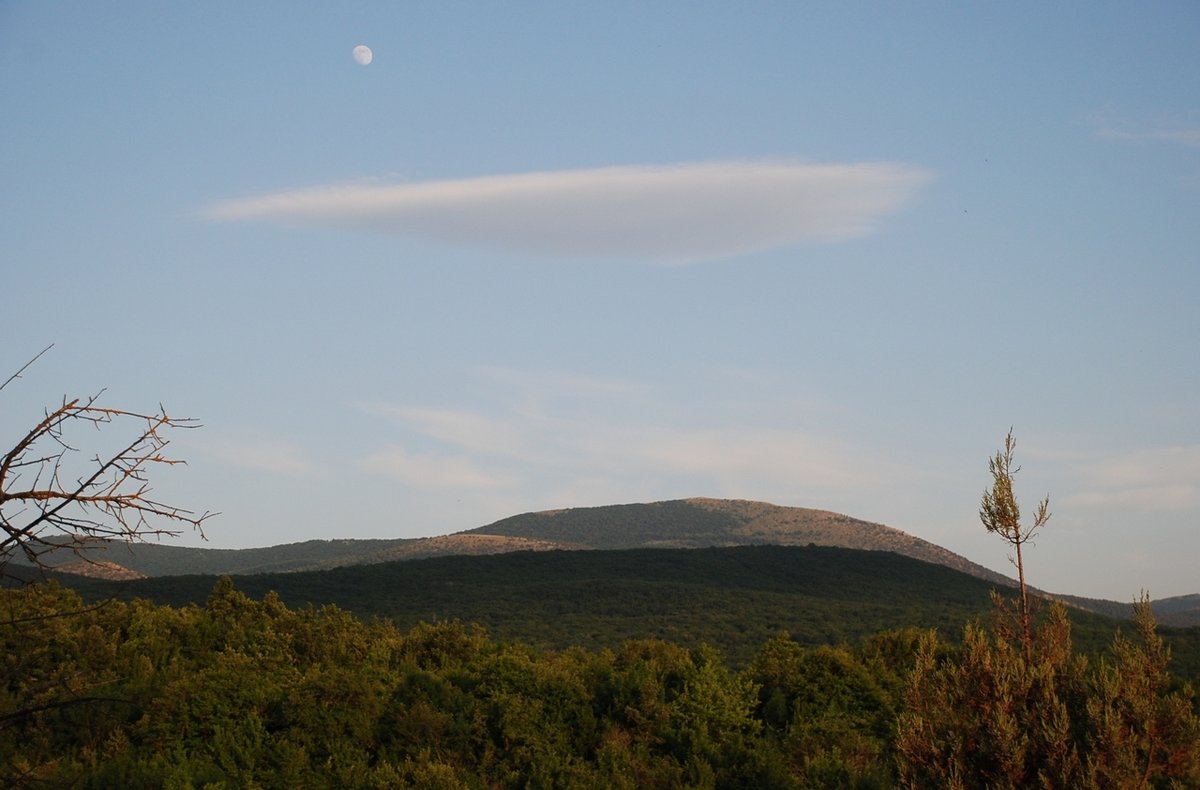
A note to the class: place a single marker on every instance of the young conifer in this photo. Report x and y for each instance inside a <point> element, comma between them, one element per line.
<point>1000,514</point>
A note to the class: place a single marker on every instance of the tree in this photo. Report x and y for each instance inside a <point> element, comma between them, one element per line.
<point>1143,724</point>
<point>51,500</point>
<point>988,716</point>
<point>1015,707</point>
<point>991,715</point>
<point>1000,514</point>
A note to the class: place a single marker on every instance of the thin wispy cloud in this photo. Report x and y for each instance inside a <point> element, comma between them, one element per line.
<point>678,213</point>
<point>1156,478</point>
<point>427,470</point>
<point>265,455</point>
<point>524,447</point>
<point>1189,137</point>
<point>458,428</point>
<point>538,385</point>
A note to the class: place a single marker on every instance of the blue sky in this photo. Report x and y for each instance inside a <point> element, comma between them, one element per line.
<point>542,255</point>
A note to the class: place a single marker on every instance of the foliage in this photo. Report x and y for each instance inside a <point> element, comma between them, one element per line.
<point>1002,713</point>
<point>1001,515</point>
<point>1016,707</point>
<point>1143,728</point>
<point>238,692</point>
<point>244,693</point>
<point>734,598</point>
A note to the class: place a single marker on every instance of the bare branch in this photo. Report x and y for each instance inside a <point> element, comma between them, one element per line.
<point>17,375</point>
<point>65,504</point>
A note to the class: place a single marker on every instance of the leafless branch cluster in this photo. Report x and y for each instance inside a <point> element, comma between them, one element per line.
<point>50,500</point>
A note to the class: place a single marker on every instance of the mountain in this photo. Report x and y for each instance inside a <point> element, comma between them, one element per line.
<point>683,523</point>
<point>1181,610</point>
<point>145,559</point>
<point>734,598</point>
<point>702,522</point>
<point>677,524</point>
<point>160,559</point>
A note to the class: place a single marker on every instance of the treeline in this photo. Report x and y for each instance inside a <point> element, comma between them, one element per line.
<point>733,598</point>
<point>243,693</point>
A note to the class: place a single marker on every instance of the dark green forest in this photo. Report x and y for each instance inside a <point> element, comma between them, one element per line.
<point>248,687</point>
<point>733,598</point>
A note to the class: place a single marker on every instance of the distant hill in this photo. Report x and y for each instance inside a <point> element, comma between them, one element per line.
<point>161,559</point>
<point>734,598</point>
<point>1181,610</point>
<point>702,522</point>
<point>145,559</point>
<point>683,523</point>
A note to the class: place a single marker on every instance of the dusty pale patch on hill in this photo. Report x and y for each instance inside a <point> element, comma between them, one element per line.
<point>463,543</point>
<point>99,569</point>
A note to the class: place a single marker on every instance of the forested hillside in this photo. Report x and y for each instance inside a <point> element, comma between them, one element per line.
<point>244,693</point>
<point>702,522</point>
<point>733,598</point>
<point>686,523</point>
<point>145,558</point>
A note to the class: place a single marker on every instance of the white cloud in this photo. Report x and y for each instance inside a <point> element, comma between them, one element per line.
<point>741,458</point>
<point>1189,137</point>
<point>1156,478</point>
<point>265,455</point>
<point>428,471</point>
<point>1153,465</point>
<point>527,431</point>
<point>569,450</point>
<point>679,213</point>
<point>465,430</point>
<point>537,385</point>
<point>1181,496</point>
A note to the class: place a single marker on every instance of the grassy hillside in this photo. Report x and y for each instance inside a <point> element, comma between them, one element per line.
<point>732,598</point>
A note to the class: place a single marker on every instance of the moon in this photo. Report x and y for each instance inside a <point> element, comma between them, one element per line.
<point>363,55</point>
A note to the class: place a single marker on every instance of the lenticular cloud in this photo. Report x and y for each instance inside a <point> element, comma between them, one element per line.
<point>675,213</point>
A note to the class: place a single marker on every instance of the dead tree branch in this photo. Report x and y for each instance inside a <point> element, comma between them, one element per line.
<point>51,501</point>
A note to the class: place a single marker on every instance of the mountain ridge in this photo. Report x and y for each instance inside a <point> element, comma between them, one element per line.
<point>737,522</point>
<point>692,523</point>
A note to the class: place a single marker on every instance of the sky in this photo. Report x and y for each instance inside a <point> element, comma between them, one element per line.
<point>546,255</point>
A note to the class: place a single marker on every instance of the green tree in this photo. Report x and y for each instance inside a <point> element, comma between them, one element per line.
<point>1015,707</point>
<point>986,716</point>
<point>59,683</point>
<point>827,710</point>
<point>1143,731</point>
<point>995,714</point>
<point>1001,515</point>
